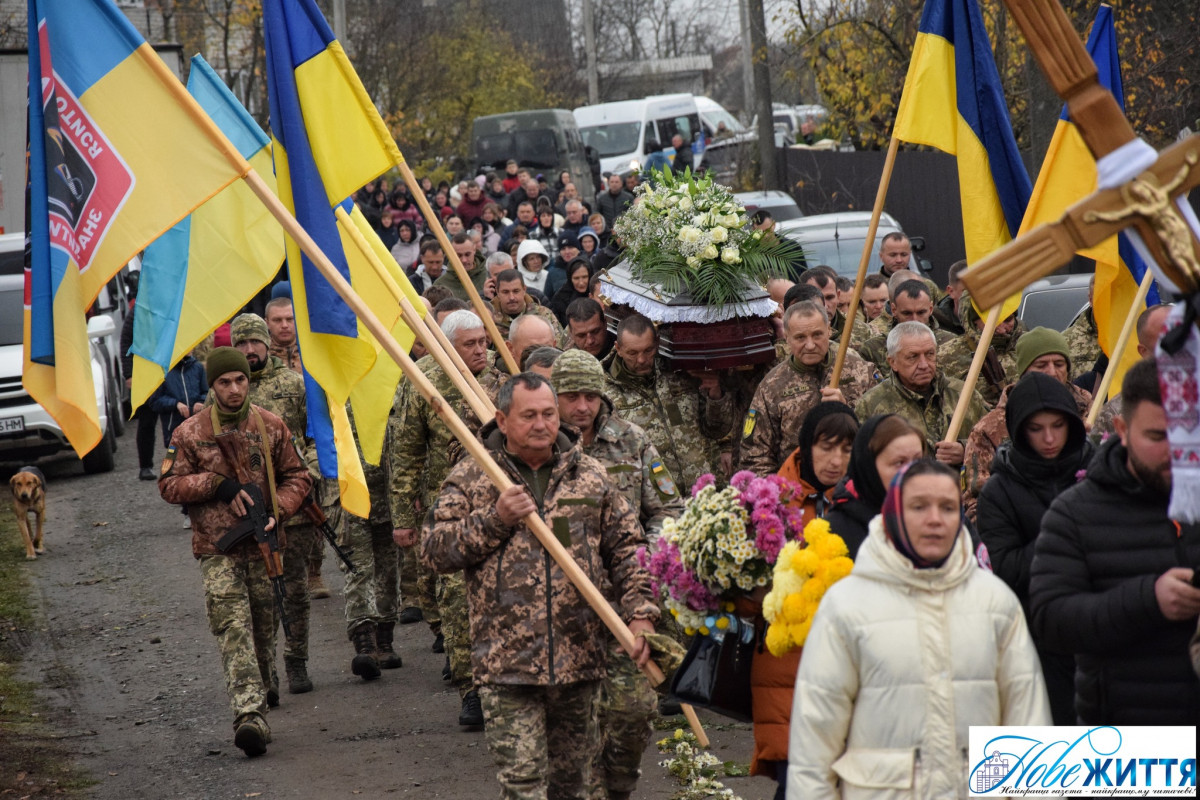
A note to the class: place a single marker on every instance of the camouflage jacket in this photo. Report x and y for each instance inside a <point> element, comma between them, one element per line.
<point>290,356</point>
<point>999,370</point>
<point>504,321</point>
<point>683,424</point>
<point>859,333</point>
<point>987,436</point>
<point>194,466</point>
<point>1105,426</point>
<point>931,413</point>
<point>420,446</point>
<point>1083,340</point>
<point>529,624</point>
<point>875,349</point>
<point>881,324</point>
<point>771,428</point>
<point>477,272</point>
<point>634,465</point>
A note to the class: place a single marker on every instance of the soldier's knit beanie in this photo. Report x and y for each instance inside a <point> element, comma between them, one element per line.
<point>578,371</point>
<point>1040,342</point>
<point>249,326</point>
<point>225,359</point>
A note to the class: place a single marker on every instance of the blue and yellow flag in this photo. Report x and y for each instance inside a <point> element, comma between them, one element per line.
<point>329,142</point>
<point>1067,176</point>
<point>115,160</point>
<point>199,273</point>
<point>953,101</point>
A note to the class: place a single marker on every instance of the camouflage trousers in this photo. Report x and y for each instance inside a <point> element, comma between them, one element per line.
<point>371,593</point>
<point>297,547</point>
<point>628,708</point>
<point>456,627</point>
<point>241,614</point>
<point>427,592</point>
<point>410,569</point>
<point>542,738</point>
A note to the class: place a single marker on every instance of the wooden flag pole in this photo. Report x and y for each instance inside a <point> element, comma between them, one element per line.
<point>1119,348</point>
<point>964,399</point>
<point>868,247</point>
<point>440,348</point>
<point>435,225</point>
<point>473,446</point>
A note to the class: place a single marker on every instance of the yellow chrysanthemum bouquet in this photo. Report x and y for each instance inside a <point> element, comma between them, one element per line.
<point>804,571</point>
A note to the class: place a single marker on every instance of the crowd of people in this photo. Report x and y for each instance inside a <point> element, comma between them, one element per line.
<point>1023,572</point>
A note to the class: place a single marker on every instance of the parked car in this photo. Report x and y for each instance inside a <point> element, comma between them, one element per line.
<point>781,204</point>
<point>27,431</point>
<point>1054,302</point>
<point>837,239</point>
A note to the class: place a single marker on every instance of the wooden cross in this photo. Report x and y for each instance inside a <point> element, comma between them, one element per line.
<point>1146,203</point>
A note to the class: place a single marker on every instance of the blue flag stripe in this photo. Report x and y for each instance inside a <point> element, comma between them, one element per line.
<point>218,102</point>
<point>90,38</point>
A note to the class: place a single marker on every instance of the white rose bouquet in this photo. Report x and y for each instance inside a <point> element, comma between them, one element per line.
<point>691,232</point>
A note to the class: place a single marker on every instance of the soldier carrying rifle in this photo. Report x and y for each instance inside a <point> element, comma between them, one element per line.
<point>214,455</point>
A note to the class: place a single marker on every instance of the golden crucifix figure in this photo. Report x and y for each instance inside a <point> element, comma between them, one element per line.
<point>1147,203</point>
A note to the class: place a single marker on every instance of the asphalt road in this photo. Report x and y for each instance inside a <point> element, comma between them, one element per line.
<point>132,675</point>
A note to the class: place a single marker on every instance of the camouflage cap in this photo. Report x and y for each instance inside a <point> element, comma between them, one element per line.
<point>249,326</point>
<point>577,371</point>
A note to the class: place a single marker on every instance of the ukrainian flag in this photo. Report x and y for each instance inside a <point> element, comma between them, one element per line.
<point>1068,175</point>
<point>329,142</point>
<point>953,101</point>
<point>115,160</point>
<point>199,273</point>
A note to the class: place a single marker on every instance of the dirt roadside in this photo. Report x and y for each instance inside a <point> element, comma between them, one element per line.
<point>124,660</point>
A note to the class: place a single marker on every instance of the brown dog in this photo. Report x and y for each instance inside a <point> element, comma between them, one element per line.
<point>29,494</point>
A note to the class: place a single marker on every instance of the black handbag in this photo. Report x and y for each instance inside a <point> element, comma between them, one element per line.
<point>715,673</point>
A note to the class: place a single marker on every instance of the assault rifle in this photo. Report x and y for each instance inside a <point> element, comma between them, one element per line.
<point>255,524</point>
<point>318,518</point>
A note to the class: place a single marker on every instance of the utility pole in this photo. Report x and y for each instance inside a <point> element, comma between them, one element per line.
<point>339,21</point>
<point>747,64</point>
<point>589,49</point>
<point>762,95</point>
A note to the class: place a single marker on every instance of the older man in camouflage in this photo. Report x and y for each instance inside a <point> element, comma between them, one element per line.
<point>628,705</point>
<point>421,452</point>
<point>213,455</point>
<point>684,417</point>
<point>1083,338</point>
<point>919,391</point>
<point>538,649</point>
<point>1040,350</point>
<point>771,429</point>
<point>512,301</point>
<point>281,391</point>
<point>911,302</point>
<point>999,368</point>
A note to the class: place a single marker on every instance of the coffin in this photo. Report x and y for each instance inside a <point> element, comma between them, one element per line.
<point>691,336</point>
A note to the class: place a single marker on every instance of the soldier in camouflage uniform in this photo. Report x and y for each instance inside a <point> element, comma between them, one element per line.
<point>538,649</point>
<point>1149,328</point>
<point>1040,350</point>
<point>372,592</point>
<point>1084,341</point>
<point>920,392</point>
<point>683,417</point>
<point>281,391</point>
<point>628,704</point>
<point>420,454</point>
<point>281,323</point>
<point>912,303</point>
<point>824,279</point>
<point>512,301</point>
<point>1000,368</point>
<point>205,471</point>
<point>771,429</point>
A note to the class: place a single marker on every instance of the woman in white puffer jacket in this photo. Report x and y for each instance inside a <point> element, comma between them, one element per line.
<point>905,654</point>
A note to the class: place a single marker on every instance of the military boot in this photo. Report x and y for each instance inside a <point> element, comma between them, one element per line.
<point>364,664</point>
<point>388,658</point>
<point>297,675</point>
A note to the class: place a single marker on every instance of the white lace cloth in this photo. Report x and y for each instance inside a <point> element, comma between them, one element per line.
<point>661,312</point>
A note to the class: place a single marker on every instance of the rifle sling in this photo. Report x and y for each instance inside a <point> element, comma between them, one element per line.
<point>266,446</point>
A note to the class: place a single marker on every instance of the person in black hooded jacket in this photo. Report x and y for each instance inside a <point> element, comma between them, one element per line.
<point>1111,571</point>
<point>884,444</point>
<point>1047,448</point>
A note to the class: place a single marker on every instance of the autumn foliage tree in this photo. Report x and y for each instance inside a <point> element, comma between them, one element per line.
<point>858,53</point>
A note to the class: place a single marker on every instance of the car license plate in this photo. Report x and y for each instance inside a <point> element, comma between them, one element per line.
<point>11,424</point>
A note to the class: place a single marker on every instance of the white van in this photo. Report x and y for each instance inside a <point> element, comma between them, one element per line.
<point>618,131</point>
<point>713,115</point>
